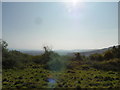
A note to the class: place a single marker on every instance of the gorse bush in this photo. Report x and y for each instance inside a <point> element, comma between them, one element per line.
<point>37,59</point>
<point>44,58</point>
<point>13,59</point>
<point>109,60</point>
<point>112,64</point>
<point>111,53</point>
<point>114,52</point>
<point>108,55</point>
<point>96,56</point>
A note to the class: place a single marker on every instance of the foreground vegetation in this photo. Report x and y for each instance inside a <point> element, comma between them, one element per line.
<point>51,70</point>
<point>84,76</point>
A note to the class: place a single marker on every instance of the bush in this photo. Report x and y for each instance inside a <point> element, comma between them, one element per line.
<point>37,59</point>
<point>8,63</point>
<point>56,62</point>
<point>112,64</point>
<point>96,56</point>
<point>108,55</point>
<point>78,56</point>
<point>114,52</point>
<point>13,59</point>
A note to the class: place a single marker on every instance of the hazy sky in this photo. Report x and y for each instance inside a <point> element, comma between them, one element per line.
<point>60,25</point>
<point>0,20</point>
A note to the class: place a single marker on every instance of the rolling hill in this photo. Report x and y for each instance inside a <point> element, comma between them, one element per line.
<point>85,52</point>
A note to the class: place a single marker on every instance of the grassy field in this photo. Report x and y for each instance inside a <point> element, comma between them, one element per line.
<point>81,76</point>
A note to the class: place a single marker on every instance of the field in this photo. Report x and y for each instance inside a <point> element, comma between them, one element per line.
<point>81,76</point>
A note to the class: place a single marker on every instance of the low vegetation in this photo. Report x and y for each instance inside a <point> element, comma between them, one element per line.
<point>50,70</point>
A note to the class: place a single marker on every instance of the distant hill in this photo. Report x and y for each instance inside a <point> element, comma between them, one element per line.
<point>69,52</point>
<point>94,51</point>
<point>88,52</point>
<point>60,52</point>
<point>85,52</point>
<point>32,52</point>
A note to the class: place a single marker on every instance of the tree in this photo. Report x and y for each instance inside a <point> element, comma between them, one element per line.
<point>4,49</point>
<point>4,45</point>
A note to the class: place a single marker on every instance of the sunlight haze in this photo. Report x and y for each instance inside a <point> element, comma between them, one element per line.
<point>61,25</point>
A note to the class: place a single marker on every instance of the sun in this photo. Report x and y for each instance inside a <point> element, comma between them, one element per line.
<point>72,5</point>
<point>74,2</point>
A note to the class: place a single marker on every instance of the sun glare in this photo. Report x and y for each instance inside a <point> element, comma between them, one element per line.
<point>74,2</point>
<point>73,5</point>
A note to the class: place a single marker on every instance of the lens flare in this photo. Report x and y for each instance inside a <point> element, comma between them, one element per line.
<point>51,80</point>
<point>73,5</point>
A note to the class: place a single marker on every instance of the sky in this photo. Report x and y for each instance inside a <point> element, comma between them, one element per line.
<point>61,25</point>
<point>0,20</point>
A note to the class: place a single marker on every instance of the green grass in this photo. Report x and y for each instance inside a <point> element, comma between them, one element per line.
<point>82,76</point>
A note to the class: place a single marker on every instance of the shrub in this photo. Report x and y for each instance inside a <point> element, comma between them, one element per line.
<point>78,56</point>
<point>108,55</point>
<point>13,59</point>
<point>37,59</point>
<point>96,56</point>
<point>112,64</point>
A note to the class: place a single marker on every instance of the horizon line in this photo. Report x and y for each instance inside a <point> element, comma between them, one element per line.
<point>63,49</point>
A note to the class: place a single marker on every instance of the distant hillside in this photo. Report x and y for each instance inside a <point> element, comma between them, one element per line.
<point>85,52</point>
<point>67,52</point>
<point>60,52</point>
<point>92,51</point>
<point>95,51</point>
<point>32,52</point>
